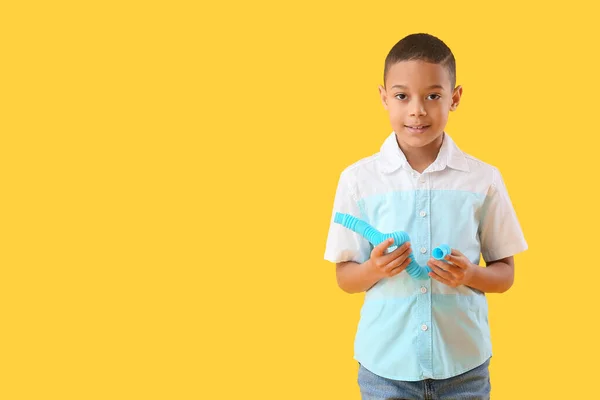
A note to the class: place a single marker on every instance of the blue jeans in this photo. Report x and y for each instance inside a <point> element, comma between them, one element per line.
<point>471,385</point>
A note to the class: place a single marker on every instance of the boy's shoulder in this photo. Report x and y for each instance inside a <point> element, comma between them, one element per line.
<point>480,167</point>
<point>373,162</point>
<point>477,163</point>
<point>367,162</point>
<point>363,171</point>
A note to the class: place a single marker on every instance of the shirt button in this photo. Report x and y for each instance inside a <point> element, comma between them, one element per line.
<point>423,289</point>
<point>422,213</point>
<point>423,327</point>
<point>421,179</point>
<point>423,250</point>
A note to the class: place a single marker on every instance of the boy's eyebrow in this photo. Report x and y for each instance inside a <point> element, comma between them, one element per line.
<point>430,87</point>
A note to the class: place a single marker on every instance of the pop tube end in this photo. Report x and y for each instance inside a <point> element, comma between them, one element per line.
<point>338,218</point>
<point>441,251</point>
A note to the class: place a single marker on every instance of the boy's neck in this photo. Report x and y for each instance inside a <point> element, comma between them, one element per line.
<point>419,158</point>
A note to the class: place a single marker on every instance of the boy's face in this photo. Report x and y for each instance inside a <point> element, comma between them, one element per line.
<point>418,96</point>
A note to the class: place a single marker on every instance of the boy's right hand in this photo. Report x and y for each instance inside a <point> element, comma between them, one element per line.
<point>391,264</point>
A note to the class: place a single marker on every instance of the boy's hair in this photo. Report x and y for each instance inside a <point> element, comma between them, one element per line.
<point>423,47</point>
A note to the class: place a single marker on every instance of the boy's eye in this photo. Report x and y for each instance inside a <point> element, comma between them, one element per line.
<point>402,96</point>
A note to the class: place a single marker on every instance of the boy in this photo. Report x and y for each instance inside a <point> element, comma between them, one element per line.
<point>424,339</point>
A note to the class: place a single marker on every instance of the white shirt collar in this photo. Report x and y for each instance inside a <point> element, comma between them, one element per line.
<point>449,155</point>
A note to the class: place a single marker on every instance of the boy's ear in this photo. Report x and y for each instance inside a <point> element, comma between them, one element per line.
<point>456,95</point>
<point>383,96</point>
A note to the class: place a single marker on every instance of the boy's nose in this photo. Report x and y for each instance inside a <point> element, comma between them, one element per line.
<point>417,109</point>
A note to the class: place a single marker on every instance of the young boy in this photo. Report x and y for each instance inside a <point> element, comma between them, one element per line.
<point>428,338</point>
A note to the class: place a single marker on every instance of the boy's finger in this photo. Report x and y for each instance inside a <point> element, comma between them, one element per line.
<point>401,249</point>
<point>397,253</point>
<point>396,270</point>
<point>396,263</point>
<point>456,252</point>
<point>438,278</point>
<point>440,272</point>
<point>454,271</point>
<point>458,261</point>
<point>379,250</point>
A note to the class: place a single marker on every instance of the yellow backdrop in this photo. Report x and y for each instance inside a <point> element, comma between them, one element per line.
<point>168,173</point>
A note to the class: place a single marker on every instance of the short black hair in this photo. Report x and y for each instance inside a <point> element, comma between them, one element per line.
<point>423,47</point>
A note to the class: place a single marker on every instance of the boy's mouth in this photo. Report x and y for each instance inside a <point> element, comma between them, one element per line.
<point>416,128</point>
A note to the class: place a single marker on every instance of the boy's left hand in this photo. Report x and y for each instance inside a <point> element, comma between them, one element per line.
<point>457,271</point>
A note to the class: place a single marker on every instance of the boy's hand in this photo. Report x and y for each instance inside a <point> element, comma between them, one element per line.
<point>457,271</point>
<point>391,264</point>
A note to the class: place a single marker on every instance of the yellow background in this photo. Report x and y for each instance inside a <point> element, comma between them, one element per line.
<point>167,179</point>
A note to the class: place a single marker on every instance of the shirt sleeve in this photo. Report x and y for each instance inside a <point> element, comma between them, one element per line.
<point>499,231</point>
<point>342,243</point>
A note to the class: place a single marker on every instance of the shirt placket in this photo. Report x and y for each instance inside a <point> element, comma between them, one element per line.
<point>422,248</point>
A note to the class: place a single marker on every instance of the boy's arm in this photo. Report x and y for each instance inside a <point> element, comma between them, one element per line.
<point>353,277</point>
<point>501,238</point>
<point>496,277</point>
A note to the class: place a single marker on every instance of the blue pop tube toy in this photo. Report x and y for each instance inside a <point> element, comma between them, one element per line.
<point>441,251</point>
<point>400,237</point>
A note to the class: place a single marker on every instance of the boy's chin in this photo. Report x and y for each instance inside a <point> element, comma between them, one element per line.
<point>417,139</point>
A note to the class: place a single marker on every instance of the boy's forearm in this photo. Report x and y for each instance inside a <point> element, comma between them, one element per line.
<point>353,277</point>
<point>496,277</point>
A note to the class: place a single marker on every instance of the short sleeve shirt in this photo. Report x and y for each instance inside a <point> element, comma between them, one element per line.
<point>413,329</point>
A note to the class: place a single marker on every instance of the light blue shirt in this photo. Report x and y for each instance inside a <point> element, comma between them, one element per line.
<point>416,329</point>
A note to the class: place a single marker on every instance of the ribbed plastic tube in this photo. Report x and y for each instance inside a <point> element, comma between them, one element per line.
<point>400,237</point>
